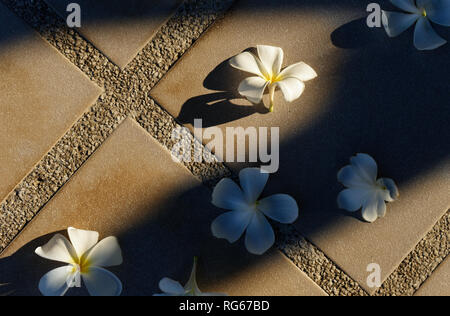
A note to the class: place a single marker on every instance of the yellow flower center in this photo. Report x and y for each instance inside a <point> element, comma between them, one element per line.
<point>272,78</point>
<point>82,266</point>
<point>424,12</point>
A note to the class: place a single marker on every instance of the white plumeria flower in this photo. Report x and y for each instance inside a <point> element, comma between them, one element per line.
<point>364,190</point>
<point>174,288</point>
<point>267,68</point>
<point>422,12</point>
<point>248,213</point>
<point>86,258</point>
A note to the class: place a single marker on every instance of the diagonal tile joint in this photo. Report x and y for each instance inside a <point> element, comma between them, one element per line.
<point>127,94</point>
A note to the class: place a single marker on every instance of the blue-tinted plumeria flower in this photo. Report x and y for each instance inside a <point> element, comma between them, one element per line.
<point>364,190</point>
<point>248,213</point>
<point>86,258</point>
<point>174,288</point>
<point>420,12</point>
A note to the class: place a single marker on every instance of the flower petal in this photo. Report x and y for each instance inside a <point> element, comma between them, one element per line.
<point>171,287</point>
<point>393,192</point>
<point>396,23</point>
<point>101,282</point>
<point>191,285</point>
<point>249,63</point>
<point>438,11</point>
<point>352,199</point>
<point>82,240</point>
<point>421,4</point>
<point>425,37</point>
<point>58,249</point>
<point>406,5</point>
<point>228,195</point>
<point>56,282</point>
<point>260,236</point>
<point>366,166</point>
<point>351,177</point>
<point>272,58</point>
<point>231,225</point>
<point>280,207</point>
<point>292,88</point>
<point>253,182</point>
<point>361,173</point>
<point>374,207</point>
<point>106,253</point>
<point>301,71</point>
<point>253,89</point>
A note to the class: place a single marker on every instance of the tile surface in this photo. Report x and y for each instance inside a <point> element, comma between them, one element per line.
<point>120,29</point>
<point>42,95</point>
<point>369,97</point>
<point>439,282</point>
<point>161,214</point>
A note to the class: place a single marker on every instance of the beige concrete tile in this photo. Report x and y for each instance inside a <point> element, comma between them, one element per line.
<point>439,282</point>
<point>161,214</point>
<point>42,95</point>
<point>120,29</point>
<point>369,97</point>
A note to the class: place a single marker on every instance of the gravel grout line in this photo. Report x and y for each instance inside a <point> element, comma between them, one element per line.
<point>127,94</point>
<point>420,264</point>
<point>317,266</point>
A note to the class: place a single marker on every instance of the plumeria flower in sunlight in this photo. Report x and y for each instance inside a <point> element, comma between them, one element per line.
<point>364,190</point>
<point>248,213</point>
<point>420,12</point>
<point>86,259</point>
<point>174,288</point>
<point>267,68</point>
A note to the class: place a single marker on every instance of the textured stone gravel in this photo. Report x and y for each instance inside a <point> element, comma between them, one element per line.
<point>421,262</point>
<point>316,264</point>
<point>127,95</point>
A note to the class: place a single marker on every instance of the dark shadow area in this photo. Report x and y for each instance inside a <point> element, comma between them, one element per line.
<point>355,35</point>
<point>388,99</point>
<point>118,11</point>
<point>104,12</point>
<point>391,101</point>
<point>162,244</point>
<point>101,13</point>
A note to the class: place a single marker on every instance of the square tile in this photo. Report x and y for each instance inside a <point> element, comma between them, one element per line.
<point>120,29</point>
<point>161,214</point>
<point>370,97</point>
<point>42,96</point>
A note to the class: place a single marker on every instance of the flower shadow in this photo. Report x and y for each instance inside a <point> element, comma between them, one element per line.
<point>223,106</point>
<point>355,34</point>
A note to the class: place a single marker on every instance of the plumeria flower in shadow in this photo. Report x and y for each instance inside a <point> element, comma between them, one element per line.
<point>86,259</point>
<point>420,12</point>
<point>174,288</point>
<point>267,68</point>
<point>2,292</point>
<point>248,213</point>
<point>364,190</point>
